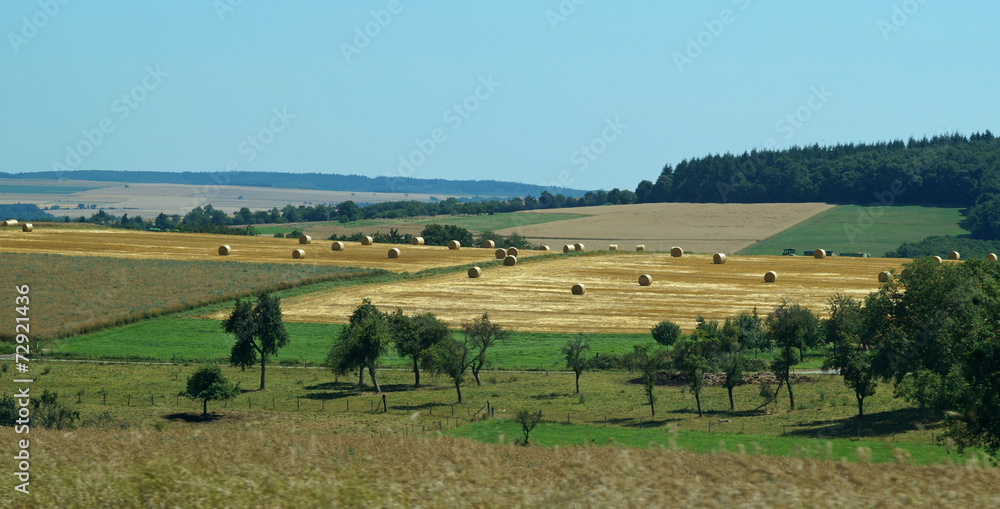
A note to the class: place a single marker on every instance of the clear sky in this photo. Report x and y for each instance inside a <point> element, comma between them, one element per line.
<point>587,93</point>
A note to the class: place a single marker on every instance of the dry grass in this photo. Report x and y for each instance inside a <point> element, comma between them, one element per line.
<point>699,227</point>
<point>536,296</point>
<point>257,464</point>
<point>194,246</point>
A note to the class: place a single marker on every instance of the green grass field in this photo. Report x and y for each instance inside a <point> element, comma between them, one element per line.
<point>854,228</point>
<point>549,434</point>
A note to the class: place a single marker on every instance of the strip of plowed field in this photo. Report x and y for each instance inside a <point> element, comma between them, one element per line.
<point>537,296</point>
<point>697,227</point>
<point>194,246</point>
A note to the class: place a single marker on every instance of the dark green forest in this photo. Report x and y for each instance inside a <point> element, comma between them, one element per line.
<point>950,170</point>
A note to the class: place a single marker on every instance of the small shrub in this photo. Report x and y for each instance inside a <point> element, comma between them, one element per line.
<point>528,421</point>
<point>5,366</point>
<point>46,370</point>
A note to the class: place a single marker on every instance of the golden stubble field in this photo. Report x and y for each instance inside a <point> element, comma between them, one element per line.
<point>537,296</point>
<point>118,243</point>
<point>698,227</point>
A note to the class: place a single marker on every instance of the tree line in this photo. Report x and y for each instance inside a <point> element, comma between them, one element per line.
<point>946,170</point>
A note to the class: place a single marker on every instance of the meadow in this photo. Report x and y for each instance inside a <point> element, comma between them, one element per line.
<point>855,228</point>
<point>475,223</point>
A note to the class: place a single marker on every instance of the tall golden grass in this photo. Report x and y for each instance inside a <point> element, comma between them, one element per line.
<point>253,465</point>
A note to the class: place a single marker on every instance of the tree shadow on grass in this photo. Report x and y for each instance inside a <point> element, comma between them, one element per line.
<point>194,417</point>
<point>879,424</point>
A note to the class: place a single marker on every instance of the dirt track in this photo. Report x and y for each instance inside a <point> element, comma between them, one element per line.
<point>697,227</point>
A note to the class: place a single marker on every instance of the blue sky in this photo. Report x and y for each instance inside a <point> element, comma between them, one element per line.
<point>585,94</point>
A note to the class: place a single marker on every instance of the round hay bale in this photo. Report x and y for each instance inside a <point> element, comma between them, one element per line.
<point>510,260</point>
<point>953,255</point>
<point>225,250</point>
<point>645,280</point>
<point>305,239</point>
<point>578,247</point>
<point>454,245</point>
<point>10,222</point>
<point>298,253</point>
<point>367,241</point>
<point>568,248</point>
<point>819,254</point>
<point>26,227</point>
<point>937,259</point>
<point>613,247</point>
<point>417,241</point>
<point>543,248</point>
<point>992,257</point>
<point>640,247</point>
<point>512,251</point>
<point>884,276</point>
<point>475,272</point>
<point>719,258</point>
<point>676,252</point>
<point>337,246</point>
<point>394,252</point>
<point>770,277</point>
<point>500,253</point>
<point>489,244</point>
<point>579,289</point>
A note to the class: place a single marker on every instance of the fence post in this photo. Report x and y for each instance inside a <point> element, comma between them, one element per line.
<point>348,404</point>
<point>297,404</point>
<point>324,405</point>
<point>385,407</point>
<point>249,404</point>
<point>105,398</point>
<point>129,400</point>
<point>151,400</point>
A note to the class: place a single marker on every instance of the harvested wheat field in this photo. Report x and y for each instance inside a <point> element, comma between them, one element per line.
<point>696,227</point>
<point>536,296</point>
<point>132,244</point>
<point>288,468</point>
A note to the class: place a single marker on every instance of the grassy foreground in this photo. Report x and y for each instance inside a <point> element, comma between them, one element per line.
<point>259,464</point>
<point>855,228</point>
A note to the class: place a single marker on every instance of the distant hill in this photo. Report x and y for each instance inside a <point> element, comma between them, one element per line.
<point>320,181</point>
<point>23,212</point>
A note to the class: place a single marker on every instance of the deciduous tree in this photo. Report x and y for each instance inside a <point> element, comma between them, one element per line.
<point>259,332</point>
<point>573,351</point>
<point>209,384</point>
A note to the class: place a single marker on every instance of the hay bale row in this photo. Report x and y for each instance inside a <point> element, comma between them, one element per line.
<point>640,247</point>
<point>512,251</point>
<point>992,257</point>
<point>719,258</point>
<point>475,272</point>
<point>26,227</point>
<point>305,239</point>
<point>454,245</point>
<point>579,289</point>
<point>394,252</point>
<point>510,260</point>
<point>568,248</point>
<point>613,247</point>
<point>645,280</point>
<point>676,252</point>
<point>884,276</point>
<point>489,244</point>
<point>417,241</point>
<point>225,250</point>
<point>367,241</point>
<point>770,277</point>
<point>500,253</point>
<point>298,254</point>
<point>953,255</point>
<point>819,254</point>
<point>337,246</point>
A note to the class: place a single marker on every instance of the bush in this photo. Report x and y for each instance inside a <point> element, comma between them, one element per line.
<point>440,235</point>
<point>939,245</point>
